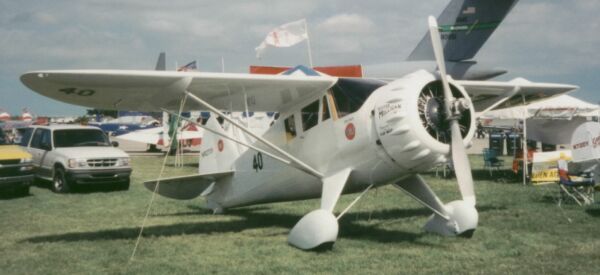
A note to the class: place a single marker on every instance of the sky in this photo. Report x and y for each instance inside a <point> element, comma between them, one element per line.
<point>540,40</point>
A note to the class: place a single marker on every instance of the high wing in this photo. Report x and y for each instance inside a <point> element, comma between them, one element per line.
<point>490,95</point>
<point>152,90</point>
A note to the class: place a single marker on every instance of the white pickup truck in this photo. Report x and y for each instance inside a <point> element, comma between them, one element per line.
<point>70,155</point>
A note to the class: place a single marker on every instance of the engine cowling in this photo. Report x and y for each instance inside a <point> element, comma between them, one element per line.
<point>411,123</point>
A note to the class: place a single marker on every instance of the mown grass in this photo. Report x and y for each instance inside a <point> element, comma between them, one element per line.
<point>521,231</point>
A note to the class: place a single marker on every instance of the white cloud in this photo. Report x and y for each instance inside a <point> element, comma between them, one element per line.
<point>346,23</point>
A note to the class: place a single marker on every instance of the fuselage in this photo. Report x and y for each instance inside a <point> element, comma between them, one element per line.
<point>380,136</point>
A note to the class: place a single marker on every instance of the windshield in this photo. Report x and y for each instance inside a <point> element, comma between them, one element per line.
<point>3,138</point>
<point>349,94</point>
<point>79,137</point>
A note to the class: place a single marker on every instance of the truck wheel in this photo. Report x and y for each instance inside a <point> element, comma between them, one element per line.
<point>60,183</point>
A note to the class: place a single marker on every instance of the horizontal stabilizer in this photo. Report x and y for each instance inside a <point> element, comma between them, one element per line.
<point>186,187</point>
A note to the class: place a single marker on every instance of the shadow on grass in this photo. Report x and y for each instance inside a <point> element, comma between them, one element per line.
<point>81,189</point>
<point>171,164</point>
<point>12,195</point>
<point>96,188</point>
<point>502,176</point>
<point>549,199</point>
<point>353,228</point>
<point>594,212</point>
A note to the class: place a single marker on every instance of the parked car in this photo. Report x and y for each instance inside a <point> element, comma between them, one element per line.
<point>71,155</point>
<point>16,169</point>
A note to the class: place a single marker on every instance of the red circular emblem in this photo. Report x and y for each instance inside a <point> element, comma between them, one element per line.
<point>350,131</point>
<point>220,145</point>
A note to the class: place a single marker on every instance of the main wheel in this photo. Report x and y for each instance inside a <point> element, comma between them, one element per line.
<point>60,183</point>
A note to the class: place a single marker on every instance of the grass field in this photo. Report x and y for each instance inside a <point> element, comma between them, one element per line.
<point>521,231</point>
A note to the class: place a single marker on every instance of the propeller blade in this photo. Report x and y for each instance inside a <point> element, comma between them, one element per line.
<point>462,167</point>
<point>438,51</point>
<point>459,154</point>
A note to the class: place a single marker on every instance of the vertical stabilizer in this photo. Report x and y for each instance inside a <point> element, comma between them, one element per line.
<point>465,25</point>
<point>217,154</point>
<point>161,62</point>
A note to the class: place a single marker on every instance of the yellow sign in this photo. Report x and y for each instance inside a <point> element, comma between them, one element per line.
<point>550,175</point>
<point>545,168</point>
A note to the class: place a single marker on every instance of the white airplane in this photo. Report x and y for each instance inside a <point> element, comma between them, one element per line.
<point>334,135</point>
<point>160,135</point>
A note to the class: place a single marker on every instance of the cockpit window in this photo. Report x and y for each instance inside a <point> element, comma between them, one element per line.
<point>290,128</point>
<point>326,115</point>
<point>310,116</point>
<point>349,94</point>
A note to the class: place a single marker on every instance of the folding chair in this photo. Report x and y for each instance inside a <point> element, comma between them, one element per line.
<point>580,190</point>
<point>491,160</point>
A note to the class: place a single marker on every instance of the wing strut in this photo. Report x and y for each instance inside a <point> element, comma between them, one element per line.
<point>298,163</point>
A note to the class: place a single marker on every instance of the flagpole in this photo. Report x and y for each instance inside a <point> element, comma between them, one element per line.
<point>310,60</point>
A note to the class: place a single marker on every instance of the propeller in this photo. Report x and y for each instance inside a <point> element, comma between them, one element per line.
<point>459,155</point>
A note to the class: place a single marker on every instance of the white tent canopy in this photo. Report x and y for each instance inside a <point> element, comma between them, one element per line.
<point>553,131</point>
<point>550,121</point>
<point>560,107</point>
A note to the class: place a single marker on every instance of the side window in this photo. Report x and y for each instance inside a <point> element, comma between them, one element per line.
<point>310,115</point>
<point>25,137</point>
<point>37,139</point>
<point>46,142</point>
<point>290,127</point>
<point>326,115</point>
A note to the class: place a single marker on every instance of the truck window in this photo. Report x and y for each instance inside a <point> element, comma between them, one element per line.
<point>80,137</point>
<point>25,136</point>
<point>310,115</point>
<point>3,138</point>
<point>45,139</point>
<point>37,139</point>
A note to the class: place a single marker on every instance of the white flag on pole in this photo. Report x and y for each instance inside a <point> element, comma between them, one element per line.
<point>286,35</point>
